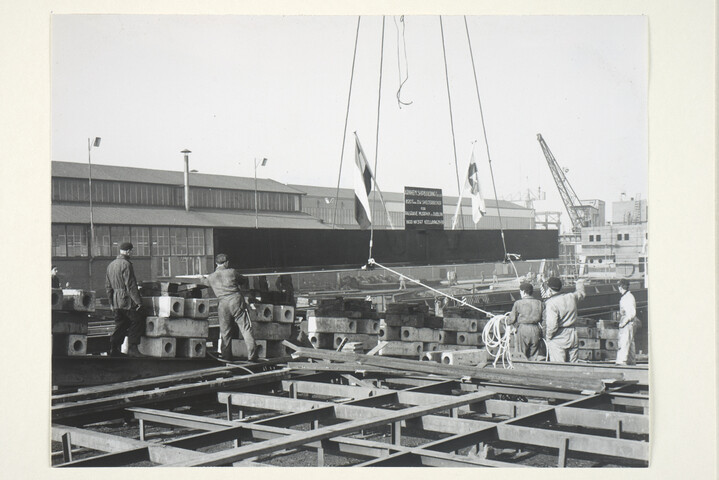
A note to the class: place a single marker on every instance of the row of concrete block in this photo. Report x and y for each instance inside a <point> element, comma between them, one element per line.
<point>428,335</point>
<point>175,307</point>
<point>352,325</point>
<point>470,357</point>
<point>604,333</point>
<point>596,343</point>
<point>73,300</point>
<point>597,354</point>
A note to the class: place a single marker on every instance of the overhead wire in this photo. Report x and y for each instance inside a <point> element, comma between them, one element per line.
<point>347,114</point>
<point>376,146</point>
<point>399,65</point>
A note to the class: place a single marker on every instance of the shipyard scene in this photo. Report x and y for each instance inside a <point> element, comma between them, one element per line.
<point>358,241</point>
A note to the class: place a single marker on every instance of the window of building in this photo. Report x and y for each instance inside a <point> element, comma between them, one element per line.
<point>141,241</point>
<point>101,244</point>
<point>626,236</point>
<point>591,238</point>
<point>599,238</point>
<point>178,241</point>
<point>165,267</point>
<point>119,235</point>
<point>599,260</point>
<point>76,240</point>
<point>619,236</point>
<point>196,241</point>
<point>59,241</point>
<point>160,241</point>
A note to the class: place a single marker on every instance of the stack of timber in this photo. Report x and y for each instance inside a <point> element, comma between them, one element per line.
<point>271,324</point>
<point>175,327</point>
<point>334,320</point>
<point>585,381</point>
<point>70,315</point>
<point>597,339</point>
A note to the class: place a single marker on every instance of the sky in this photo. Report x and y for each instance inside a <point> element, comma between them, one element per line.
<point>236,88</point>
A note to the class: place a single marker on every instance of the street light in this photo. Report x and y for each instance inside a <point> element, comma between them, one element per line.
<point>260,163</point>
<point>91,143</point>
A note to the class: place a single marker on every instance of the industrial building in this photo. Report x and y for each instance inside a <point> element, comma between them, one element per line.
<point>171,224</point>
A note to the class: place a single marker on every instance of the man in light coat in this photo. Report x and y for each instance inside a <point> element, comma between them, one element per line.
<point>560,316</point>
<point>628,315</point>
<point>125,303</point>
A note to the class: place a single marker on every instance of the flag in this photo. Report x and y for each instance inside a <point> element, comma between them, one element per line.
<point>362,187</point>
<point>478,207</point>
<point>471,183</point>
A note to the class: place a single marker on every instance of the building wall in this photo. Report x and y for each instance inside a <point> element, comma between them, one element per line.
<point>630,211</point>
<point>620,248</point>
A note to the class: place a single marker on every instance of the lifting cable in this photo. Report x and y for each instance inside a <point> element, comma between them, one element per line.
<point>376,145</point>
<point>486,141</point>
<point>399,65</point>
<point>451,118</point>
<point>344,135</point>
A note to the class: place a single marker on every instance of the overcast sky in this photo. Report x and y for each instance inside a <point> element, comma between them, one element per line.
<point>232,88</point>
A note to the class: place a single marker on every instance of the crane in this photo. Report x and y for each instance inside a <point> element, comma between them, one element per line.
<point>577,213</point>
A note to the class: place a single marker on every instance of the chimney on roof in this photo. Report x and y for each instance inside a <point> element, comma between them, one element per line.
<point>187,153</point>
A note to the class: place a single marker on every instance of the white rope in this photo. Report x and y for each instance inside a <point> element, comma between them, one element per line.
<point>496,336</point>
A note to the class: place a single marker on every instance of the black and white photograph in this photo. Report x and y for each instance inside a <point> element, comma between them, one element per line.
<point>366,239</point>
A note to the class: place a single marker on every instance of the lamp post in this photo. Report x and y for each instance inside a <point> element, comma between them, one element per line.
<point>91,143</point>
<point>260,163</point>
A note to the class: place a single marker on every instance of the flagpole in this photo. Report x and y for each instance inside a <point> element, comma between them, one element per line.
<point>374,180</point>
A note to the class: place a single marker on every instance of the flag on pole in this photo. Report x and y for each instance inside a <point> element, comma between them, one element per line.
<point>362,187</point>
<point>478,207</point>
<point>472,184</point>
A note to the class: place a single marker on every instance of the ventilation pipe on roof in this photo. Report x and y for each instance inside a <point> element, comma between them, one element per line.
<point>187,153</point>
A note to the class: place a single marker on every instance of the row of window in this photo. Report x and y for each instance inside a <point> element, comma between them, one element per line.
<point>620,237</point>
<point>72,241</point>
<point>126,193</point>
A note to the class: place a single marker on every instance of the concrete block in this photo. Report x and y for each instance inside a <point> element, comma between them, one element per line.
<point>263,312</point>
<point>271,331</point>
<point>69,323</point>
<point>197,308</point>
<point>239,349</point>
<point>586,332</point>
<point>283,313</point>
<point>69,345</point>
<point>176,327</point>
<point>322,339</point>
<point>474,356</point>
<point>605,324</point>
<point>432,321</point>
<point>368,341</point>
<point>447,337</point>
<point>164,306</point>
<point>411,334</point>
<point>452,348</point>
<point>191,347</point>
<point>368,325</point>
<point>609,334</point>
<point>609,344</point>
<point>589,354</point>
<point>589,343</point>
<point>158,347</point>
<point>275,349</point>
<point>430,346</point>
<point>332,325</point>
<point>56,299</point>
<point>460,324</point>
<point>415,320</point>
<point>74,300</point>
<point>469,338</point>
<point>607,354</point>
<point>432,356</point>
<point>403,349</point>
<point>387,332</point>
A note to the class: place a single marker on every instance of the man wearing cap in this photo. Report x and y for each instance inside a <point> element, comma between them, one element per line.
<point>527,312</point>
<point>560,315</point>
<point>226,282</point>
<point>628,315</point>
<point>125,302</point>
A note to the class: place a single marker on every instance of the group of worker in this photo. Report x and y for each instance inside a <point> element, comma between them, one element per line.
<point>552,323</point>
<point>227,283</point>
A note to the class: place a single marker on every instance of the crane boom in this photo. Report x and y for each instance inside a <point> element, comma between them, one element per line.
<point>577,214</point>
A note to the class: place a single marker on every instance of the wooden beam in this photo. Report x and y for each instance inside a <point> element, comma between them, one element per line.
<point>300,438</point>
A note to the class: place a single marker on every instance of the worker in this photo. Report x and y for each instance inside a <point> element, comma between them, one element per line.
<point>527,313</point>
<point>125,303</point>
<point>54,278</point>
<point>402,283</point>
<point>560,315</point>
<point>226,282</point>
<point>284,285</point>
<point>627,325</point>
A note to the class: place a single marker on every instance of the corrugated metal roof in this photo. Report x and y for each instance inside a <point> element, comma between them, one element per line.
<point>166,177</point>
<point>63,213</point>
<point>348,194</point>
